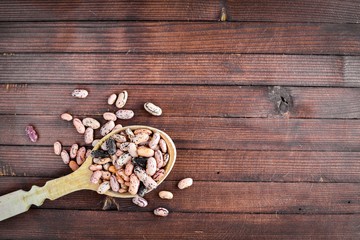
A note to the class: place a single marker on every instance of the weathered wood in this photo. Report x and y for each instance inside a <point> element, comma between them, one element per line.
<point>208,165</point>
<point>219,69</point>
<point>225,101</point>
<point>241,197</point>
<point>294,11</point>
<point>206,133</point>
<point>175,37</point>
<point>44,224</point>
<point>274,10</point>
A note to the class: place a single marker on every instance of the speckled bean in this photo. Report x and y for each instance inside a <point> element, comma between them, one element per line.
<point>163,145</point>
<point>65,156</point>
<point>143,130</point>
<point>152,109</point>
<point>121,100</point>
<point>134,184</point>
<point>94,142</point>
<point>123,159</point>
<point>80,156</point>
<point>129,133</point>
<point>159,159</point>
<point>132,150</point>
<point>91,122</point>
<point>112,98</point>
<point>73,150</point>
<point>125,114</point>
<point>149,183</point>
<point>145,151</point>
<point>159,174</point>
<point>140,138</point>
<point>79,93</point>
<point>109,116</point>
<point>141,202</point>
<point>89,135</point>
<point>151,166</point>
<point>107,127</point>
<point>129,168</point>
<point>95,177</point>
<point>166,195</point>
<point>117,126</point>
<point>114,184</point>
<point>57,148</point>
<point>66,117</point>
<point>166,159</point>
<point>80,128</point>
<point>105,175</point>
<point>185,183</point>
<point>119,138</point>
<point>122,174</point>
<point>161,212</point>
<point>154,140</point>
<point>103,187</point>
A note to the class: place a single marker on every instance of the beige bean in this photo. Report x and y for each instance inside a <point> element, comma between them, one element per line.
<point>122,99</point>
<point>57,148</point>
<point>163,145</point>
<point>95,167</point>
<point>79,93</point>
<point>105,175</point>
<point>91,122</point>
<point>151,166</point>
<point>166,195</point>
<point>141,202</point>
<point>134,184</point>
<point>66,117</point>
<point>80,156</point>
<point>125,114</point>
<point>107,127</point>
<point>109,116</point>
<point>145,152</point>
<point>65,156</point>
<point>95,177</point>
<point>114,184</point>
<point>129,168</point>
<point>123,159</point>
<point>143,130</point>
<point>152,109</point>
<point>103,187</point>
<point>132,150</point>
<point>80,128</point>
<point>123,146</point>
<point>159,159</point>
<point>140,138</point>
<point>161,212</point>
<point>185,183</point>
<point>112,98</point>
<point>89,135</point>
<point>119,138</point>
<point>166,159</point>
<point>73,165</point>
<point>154,140</point>
<point>112,169</point>
<point>159,174</point>
<point>73,150</point>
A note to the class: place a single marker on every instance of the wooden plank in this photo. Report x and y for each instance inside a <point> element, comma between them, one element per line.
<point>226,101</point>
<point>274,10</point>
<point>294,11</point>
<point>43,224</point>
<point>233,69</point>
<point>241,197</point>
<point>206,133</point>
<point>175,37</point>
<point>208,165</point>
<point>110,10</point>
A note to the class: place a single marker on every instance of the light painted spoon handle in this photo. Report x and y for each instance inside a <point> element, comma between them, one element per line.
<point>20,201</point>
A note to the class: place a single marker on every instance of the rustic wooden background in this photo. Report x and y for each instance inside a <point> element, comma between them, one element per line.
<point>264,109</point>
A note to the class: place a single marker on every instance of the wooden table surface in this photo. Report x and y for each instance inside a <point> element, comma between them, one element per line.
<point>262,99</point>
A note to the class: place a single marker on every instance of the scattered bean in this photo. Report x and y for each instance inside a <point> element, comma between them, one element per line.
<point>89,135</point>
<point>80,128</point>
<point>152,109</point>
<point>91,122</point>
<point>141,202</point>
<point>80,93</point>
<point>57,148</point>
<point>31,133</point>
<point>105,129</point>
<point>66,117</point>
<point>185,183</point>
<point>122,99</point>
<point>161,212</point>
<point>109,116</point>
<point>73,150</point>
<point>65,156</point>
<point>166,195</point>
<point>112,98</point>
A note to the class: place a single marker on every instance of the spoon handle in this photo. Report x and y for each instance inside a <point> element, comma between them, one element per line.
<point>20,201</point>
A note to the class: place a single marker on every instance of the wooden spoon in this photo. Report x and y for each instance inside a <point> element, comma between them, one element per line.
<point>20,201</point>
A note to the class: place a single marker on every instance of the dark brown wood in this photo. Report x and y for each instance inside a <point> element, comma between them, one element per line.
<point>43,224</point>
<point>219,69</point>
<point>220,197</point>
<point>208,165</point>
<point>294,11</point>
<point>180,37</point>
<point>206,133</point>
<point>226,101</point>
<point>274,10</point>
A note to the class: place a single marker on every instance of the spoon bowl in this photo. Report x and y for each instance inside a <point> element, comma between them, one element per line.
<point>20,201</point>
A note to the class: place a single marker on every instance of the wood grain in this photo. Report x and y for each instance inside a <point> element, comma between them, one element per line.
<point>208,165</point>
<point>219,69</point>
<point>241,197</point>
<point>42,224</point>
<point>206,101</point>
<point>274,11</point>
<point>206,133</point>
<point>180,37</point>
